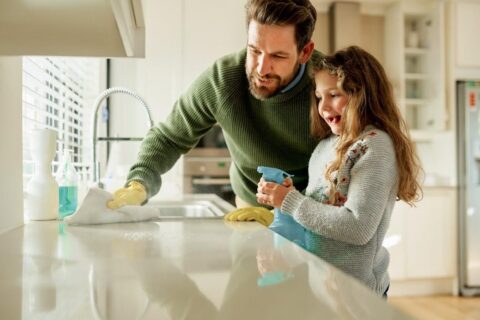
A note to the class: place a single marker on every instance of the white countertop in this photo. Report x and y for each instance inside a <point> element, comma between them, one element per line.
<point>190,269</point>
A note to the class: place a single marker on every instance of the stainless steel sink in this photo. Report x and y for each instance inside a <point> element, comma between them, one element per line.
<point>190,209</point>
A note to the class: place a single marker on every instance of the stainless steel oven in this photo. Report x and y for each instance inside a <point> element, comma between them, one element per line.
<point>206,167</point>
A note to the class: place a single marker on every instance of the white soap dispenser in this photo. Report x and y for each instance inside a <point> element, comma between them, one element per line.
<point>41,193</point>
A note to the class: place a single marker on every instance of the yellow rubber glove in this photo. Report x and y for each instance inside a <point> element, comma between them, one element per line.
<point>259,214</point>
<point>134,194</point>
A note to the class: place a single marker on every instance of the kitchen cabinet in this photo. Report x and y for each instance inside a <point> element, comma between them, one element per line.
<point>462,47</point>
<point>467,26</point>
<point>112,28</point>
<point>421,239</point>
<point>415,63</point>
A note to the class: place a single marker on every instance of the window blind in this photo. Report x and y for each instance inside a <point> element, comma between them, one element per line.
<point>58,93</point>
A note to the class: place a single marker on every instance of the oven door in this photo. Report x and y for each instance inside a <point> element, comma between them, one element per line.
<point>217,185</point>
<point>207,171</point>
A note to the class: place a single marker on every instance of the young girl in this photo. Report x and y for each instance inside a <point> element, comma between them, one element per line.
<point>355,174</point>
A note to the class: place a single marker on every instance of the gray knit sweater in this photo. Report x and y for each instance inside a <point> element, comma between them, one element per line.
<point>349,234</point>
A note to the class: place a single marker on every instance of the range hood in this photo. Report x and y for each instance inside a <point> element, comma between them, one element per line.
<point>105,28</point>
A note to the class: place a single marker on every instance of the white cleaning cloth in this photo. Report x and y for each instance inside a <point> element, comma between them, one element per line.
<point>94,210</point>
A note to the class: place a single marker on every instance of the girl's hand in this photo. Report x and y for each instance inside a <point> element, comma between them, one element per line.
<point>273,194</point>
<point>288,182</point>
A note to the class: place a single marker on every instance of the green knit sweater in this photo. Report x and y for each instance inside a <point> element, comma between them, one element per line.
<point>272,132</point>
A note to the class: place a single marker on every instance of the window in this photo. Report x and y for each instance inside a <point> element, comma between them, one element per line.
<point>58,93</point>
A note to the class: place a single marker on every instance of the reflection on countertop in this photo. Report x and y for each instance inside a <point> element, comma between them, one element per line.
<point>186,269</point>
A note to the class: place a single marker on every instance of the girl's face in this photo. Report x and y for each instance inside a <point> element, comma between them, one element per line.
<point>331,100</point>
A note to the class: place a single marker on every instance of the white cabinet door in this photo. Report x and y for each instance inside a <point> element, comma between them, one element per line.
<point>467,24</point>
<point>426,245</point>
<point>396,243</point>
<point>431,230</point>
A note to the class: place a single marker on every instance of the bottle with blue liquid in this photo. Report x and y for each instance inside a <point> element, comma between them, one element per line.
<point>283,223</point>
<point>67,180</point>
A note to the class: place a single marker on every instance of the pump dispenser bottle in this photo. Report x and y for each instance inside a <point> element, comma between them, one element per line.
<point>41,193</point>
<point>67,186</point>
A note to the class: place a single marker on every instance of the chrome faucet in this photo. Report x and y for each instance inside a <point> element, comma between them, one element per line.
<point>97,103</point>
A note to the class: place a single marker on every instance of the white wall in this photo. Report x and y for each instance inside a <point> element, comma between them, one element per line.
<point>208,34</point>
<point>11,189</point>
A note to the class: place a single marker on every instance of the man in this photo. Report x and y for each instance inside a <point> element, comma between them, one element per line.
<point>259,96</point>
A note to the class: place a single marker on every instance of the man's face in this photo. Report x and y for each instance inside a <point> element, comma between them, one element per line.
<point>272,58</point>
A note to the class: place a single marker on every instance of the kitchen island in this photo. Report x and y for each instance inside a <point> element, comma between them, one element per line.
<point>173,269</point>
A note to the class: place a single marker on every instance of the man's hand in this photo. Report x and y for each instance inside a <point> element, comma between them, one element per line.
<point>134,194</point>
<point>259,214</point>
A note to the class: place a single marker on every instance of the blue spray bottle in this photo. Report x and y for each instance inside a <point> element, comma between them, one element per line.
<point>283,223</point>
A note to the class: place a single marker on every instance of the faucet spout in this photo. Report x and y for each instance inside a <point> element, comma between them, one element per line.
<point>98,101</point>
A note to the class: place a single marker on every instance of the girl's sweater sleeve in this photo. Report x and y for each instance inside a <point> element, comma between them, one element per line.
<point>373,179</point>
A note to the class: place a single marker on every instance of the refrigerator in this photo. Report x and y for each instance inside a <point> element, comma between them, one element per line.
<point>468,144</point>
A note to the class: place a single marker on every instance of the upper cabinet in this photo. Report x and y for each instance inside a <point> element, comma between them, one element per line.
<point>103,28</point>
<point>415,62</point>
<point>463,47</point>
<point>467,20</point>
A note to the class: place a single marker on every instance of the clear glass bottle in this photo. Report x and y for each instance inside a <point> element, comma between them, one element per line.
<point>67,180</point>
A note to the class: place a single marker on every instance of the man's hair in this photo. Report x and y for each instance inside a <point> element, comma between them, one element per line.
<point>299,13</point>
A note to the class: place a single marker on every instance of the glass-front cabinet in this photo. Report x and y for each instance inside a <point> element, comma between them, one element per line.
<point>414,60</point>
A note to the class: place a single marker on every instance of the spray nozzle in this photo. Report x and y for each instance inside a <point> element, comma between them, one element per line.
<point>273,174</point>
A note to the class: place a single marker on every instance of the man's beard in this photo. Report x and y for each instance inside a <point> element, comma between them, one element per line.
<point>263,92</point>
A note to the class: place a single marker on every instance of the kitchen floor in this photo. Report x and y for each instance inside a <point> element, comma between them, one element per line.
<point>439,307</point>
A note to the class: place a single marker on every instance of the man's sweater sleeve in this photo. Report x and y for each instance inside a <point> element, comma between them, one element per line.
<point>372,181</point>
<point>192,116</point>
